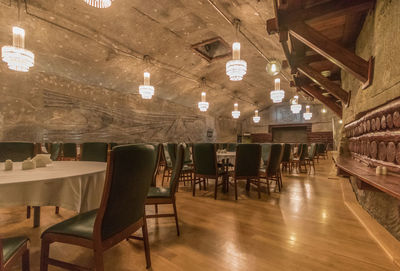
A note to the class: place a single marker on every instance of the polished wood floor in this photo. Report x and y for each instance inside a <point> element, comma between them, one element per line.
<point>305,227</point>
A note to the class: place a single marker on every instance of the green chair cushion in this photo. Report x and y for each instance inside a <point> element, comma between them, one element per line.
<point>79,226</point>
<point>158,192</point>
<point>11,245</point>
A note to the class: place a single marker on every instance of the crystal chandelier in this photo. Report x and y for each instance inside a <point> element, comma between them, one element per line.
<point>273,67</point>
<point>146,90</point>
<point>99,3</point>
<point>256,117</point>
<point>236,68</point>
<point>18,58</point>
<point>307,115</point>
<point>295,106</point>
<point>278,94</point>
<point>203,105</point>
<point>235,112</point>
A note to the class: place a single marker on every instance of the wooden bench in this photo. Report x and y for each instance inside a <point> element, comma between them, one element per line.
<point>389,184</point>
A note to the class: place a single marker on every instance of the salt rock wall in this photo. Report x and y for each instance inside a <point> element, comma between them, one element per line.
<point>378,38</point>
<point>39,107</point>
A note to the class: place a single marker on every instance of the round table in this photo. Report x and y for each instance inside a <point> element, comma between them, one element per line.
<point>74,185</point>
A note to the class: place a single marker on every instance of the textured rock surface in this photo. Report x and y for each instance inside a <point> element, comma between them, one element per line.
<point>379,39</point>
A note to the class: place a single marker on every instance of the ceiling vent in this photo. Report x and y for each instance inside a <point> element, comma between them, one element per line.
<point>212,49</point>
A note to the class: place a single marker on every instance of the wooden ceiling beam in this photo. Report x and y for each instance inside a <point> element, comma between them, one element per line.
<point>317,94</point>
<point>325,11</point>
<point>334,52</point>
<point>328,85</point>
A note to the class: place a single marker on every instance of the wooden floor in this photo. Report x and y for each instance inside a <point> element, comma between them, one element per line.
<point>305,227</point>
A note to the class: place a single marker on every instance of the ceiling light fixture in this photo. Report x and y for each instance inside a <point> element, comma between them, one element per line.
<point>99,3</point>
<point>295,106</point>
<point>273,67</point>
<point>235,112</point>
<point>236,68</point>
<point>16,56</point>
<point>256,118</point>
<point>323,110</point>
<point>307,115</point>
<point>278,94</point>
<point>340,121</point>
<point>203,105</point>
<point>146,90</point>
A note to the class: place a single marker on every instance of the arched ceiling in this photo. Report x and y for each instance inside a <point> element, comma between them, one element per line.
<point>105,47</point>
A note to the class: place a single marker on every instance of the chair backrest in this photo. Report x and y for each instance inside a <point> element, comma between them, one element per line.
<point>129,174</point>
<point>94,151</point>
<point>16,151</point>
<point>231,147</point>
<point>176,172</point>
<point>55,151</point>
<point>312,151</point>
<point>265,152</point>
<point>276,158</point>
<point>248,159</point>
<point>304,152</point>
<point>321,148</point>
<point>187,154</point>
<point>299,149</point>
<point>205,159</point>
<point>69,149</point>
<point>169,153</point>
<point>287,152</point>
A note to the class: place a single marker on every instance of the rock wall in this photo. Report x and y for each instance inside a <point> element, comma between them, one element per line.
<point>378,38</point>
<point>40,107</point>
<point>281,114</point>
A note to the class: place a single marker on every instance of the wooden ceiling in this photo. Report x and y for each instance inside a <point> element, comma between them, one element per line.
<point>318,38</point>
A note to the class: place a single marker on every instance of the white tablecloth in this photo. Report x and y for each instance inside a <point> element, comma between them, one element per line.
<point>74,185</point>
<point>227,155</point>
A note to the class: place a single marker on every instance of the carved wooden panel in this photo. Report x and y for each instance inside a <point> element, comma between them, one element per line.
<point>375,137</point>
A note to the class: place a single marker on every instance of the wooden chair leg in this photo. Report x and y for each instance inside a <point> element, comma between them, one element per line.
<point>156,208</point>
<point>194,185</point>
<point>236,194</point>
<point>25,260</point>
<point>146,243</point>
<point>176,218</point>
<point>98,260</point>
<point>57,211</point>
<point>44,255</point>
<point>259,188</point>
<point>28,212</point>
<point>269,192</point>
<point>216,188</point>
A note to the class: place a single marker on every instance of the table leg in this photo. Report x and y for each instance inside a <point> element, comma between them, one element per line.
<point>36,216</point>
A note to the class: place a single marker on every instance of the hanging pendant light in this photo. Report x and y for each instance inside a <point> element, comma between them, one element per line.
<point>236,68</point>
<point>273,67</point>
<point>256,118</point>
<point>295,106</point>
<point>307,115</point>
<point>203,105</point>
<point>99,3</point>
<point>323,110</point>
<point>146,90</point>
<point>278,94</point>
<point>235,112</point>
<point>16,56</point>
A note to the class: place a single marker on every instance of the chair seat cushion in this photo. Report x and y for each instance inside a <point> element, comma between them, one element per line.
<point>187,168</point>
<point>11,245</point>
<point>158,192</point>
<point>79,226</point>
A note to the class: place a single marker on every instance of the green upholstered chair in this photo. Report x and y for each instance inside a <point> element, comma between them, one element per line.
<point>162,195</point>
<point>247,165</point>
<point>169,154</point>
<point>94,151</point>
<point>265,152</point>
<point>129,173</point>
<point>11,250</point>
<point>311,155</point>
<point>322,151</point>
<point>287,157</point>
<point>300,161</point>
<point>205,166</point>
<point>16,151</point>
<point>273,170</point>
<point>186,175</point>
<point>68,151</point>
<point>55,151</point>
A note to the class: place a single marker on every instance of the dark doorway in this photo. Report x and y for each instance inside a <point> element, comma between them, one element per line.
<point>296,134</point>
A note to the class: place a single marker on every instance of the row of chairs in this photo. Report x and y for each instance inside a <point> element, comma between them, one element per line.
<point>130,172</point>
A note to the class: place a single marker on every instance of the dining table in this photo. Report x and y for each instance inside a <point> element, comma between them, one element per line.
<point>74,185</point>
